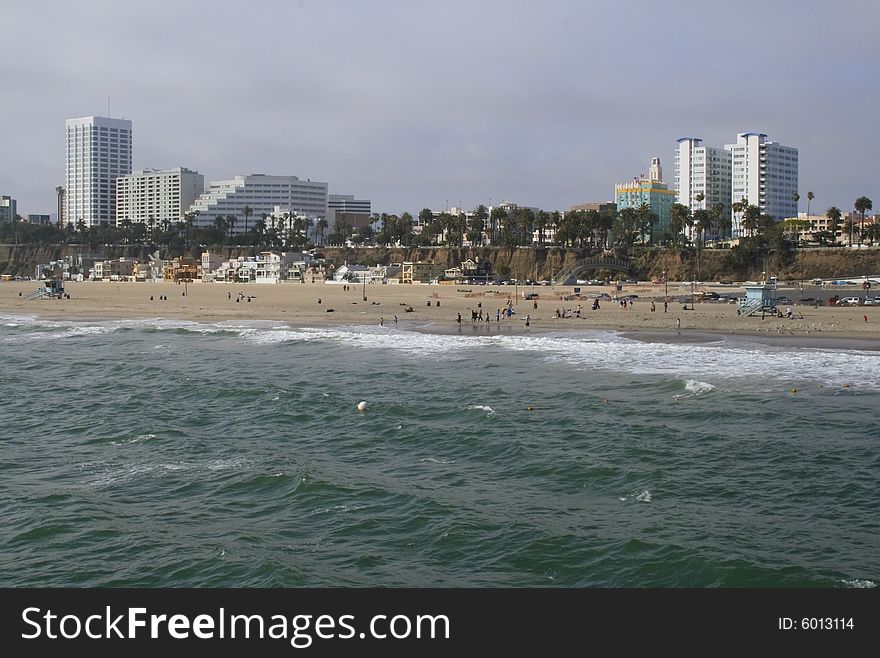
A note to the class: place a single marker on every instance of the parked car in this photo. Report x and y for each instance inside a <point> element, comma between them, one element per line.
<point>849,301</point>
<point>872,301</point>
<point>782,299</point>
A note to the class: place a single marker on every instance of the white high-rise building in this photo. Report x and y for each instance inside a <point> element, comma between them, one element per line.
<point>162,195</point>
<point>98,152</point>
<point>260,193</point>
<point>765,174</point>
<point>702,170</point>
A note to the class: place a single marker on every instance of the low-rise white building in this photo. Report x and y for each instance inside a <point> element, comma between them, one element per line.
<point>263,195</point>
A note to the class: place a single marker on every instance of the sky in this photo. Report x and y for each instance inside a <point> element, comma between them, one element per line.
<point>423,103</point>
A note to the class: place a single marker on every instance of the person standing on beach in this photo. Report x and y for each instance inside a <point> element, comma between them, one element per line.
<point>459,319</point>
<point>665,305</point>
<point>678,324</point>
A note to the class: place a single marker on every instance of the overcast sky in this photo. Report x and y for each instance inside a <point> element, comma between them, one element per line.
<point>418,104</point>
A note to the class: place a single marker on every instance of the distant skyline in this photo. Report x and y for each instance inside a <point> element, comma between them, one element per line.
<point>422,103</point>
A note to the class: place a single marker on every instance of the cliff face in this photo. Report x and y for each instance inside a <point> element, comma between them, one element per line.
<point>521,263</point>
<point>710,265</point>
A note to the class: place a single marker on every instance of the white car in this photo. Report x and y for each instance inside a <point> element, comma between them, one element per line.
<point>849,301</point>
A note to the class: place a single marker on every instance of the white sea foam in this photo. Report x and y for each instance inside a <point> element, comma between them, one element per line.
<point>859,583</point>
<point>338,508</point>
<point>135,439</point>
<point>433,460</point>
<point>483,407</point>
<point>696,387</point>
<point>644,497</point>
<point>599,350</point>
<point>704,364</point>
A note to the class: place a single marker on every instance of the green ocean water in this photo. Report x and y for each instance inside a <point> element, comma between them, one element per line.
<point>152,453</point>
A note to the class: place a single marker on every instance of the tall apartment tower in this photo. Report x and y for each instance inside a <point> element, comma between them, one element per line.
<point>765,174</point>
<point>98,152</point>
<point>153,196</point>
<point>702,170</point>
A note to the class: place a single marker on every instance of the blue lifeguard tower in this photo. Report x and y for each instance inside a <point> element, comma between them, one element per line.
<point>760,297</point>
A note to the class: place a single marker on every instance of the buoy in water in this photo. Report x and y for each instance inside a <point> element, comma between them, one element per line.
<point>530,408</point>
<point>794,390</point>
<point>362,405</point>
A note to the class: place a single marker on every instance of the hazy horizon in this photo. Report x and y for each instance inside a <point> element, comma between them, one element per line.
<point>429,104</point>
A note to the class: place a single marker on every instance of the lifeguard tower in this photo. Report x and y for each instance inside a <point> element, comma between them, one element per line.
<point>761,297</point>
<point>54,289</point>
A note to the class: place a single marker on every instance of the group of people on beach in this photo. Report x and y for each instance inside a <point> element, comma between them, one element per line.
<point>477,314</point>
<point>241,296</point>
<point>573,313</point>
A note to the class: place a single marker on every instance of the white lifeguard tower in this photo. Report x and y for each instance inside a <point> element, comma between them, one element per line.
<point>760,297</point>
<point>54,289</point>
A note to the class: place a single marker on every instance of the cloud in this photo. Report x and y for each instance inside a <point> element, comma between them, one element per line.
<point>414,103</point>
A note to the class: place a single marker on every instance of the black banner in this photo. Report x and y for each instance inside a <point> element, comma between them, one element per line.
<point>433,621</point>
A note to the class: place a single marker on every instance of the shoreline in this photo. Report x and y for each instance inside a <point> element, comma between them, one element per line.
<point>435,309</point>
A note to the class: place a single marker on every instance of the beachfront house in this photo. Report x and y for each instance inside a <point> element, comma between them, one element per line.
<point>180,269</point>
<point>421,271</point>
<point>354,273</point>
<point>453,274</point>
<point>114,270</point>
<point>275,267</point>
<point>210,262</point>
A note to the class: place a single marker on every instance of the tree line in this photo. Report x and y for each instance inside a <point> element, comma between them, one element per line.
<point>502,226</point>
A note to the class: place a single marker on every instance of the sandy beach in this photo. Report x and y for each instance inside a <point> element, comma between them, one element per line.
<point>433,308</point>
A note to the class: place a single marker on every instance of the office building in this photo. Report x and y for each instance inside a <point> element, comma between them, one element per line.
<point>98,152</point>
<point>263,194</point>
<point>157,197</point>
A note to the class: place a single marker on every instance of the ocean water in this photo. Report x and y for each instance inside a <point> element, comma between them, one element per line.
<point>153,453</point>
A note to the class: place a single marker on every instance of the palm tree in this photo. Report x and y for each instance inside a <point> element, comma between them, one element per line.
<point>738,207</point>
<point>321,226</point>
<point>260,229</point>
<point>151,222</point>
<point>679,215</point>
<point>810,197</point>
<point>231,220</point>
<point>496,218</point>
<point>189,219</point>
<point>247,212</point>
<point>751,219</point>
<point>795,197</point>
<point>862,204</point>
<point>220,225</point>
<point>833,214</point>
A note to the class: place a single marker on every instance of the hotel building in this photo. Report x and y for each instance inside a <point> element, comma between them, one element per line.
<point>163,195</point>
<point>765,174</point>
<point>264,195</point>
<point>98,152</point>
